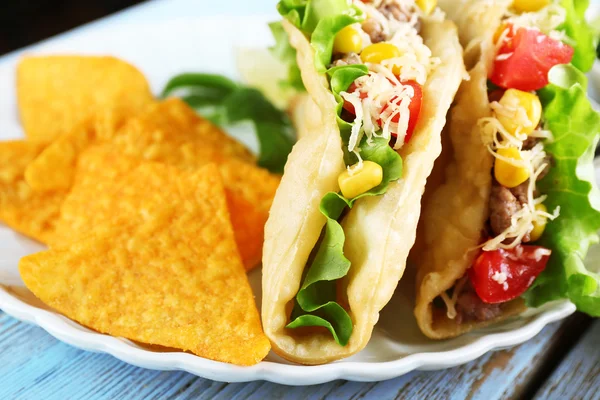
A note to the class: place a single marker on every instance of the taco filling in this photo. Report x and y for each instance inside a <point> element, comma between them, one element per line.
<point>528,44</point>
<point>376,64</point>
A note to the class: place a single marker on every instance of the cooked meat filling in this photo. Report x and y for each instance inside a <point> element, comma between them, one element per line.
<point>373,28</point>
<point>469,307</point>
<point>346,59</point>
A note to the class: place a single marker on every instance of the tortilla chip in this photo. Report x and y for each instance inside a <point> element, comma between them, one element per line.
<point>171,276</point>
<point>164,131</point>
<point>53,169</point>
<point>56,94</point>
<point>173,121</point>
<point>24,210</point>
<point>249,190</point>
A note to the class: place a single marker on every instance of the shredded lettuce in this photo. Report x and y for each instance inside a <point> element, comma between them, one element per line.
<point>570,185</point>
<point>583,35</point>
<point>225,102</point>
<point>322,20</point>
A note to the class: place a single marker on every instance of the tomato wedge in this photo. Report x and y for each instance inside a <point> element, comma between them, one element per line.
<point>414,107</point>
<point>502,275</point>
<point>525,59</point>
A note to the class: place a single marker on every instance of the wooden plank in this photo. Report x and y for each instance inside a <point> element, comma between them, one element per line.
<point>35,365</point>
<point>578,376</point>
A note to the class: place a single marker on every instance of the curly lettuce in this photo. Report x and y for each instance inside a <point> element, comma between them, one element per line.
<point>570,185</point>
<point>577,28</point>
<point>321,20</point>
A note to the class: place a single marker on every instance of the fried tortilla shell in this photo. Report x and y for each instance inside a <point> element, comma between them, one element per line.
<point>379,230</point>
<point>455,214</point>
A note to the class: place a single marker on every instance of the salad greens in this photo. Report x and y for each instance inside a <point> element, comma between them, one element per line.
<point>582,34</point>
<point>322,19</point>
<point>570,184</point>
<point>225,102</point>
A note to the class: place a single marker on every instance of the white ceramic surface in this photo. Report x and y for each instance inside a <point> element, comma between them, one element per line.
<point>161,49</point>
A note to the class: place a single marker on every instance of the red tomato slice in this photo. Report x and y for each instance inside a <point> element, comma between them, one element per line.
<point>502,275</point>
<point>414,109</point>
<point>530,55</point>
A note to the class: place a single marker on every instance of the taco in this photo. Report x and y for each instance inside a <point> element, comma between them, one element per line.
<point>511,223</point>
<point>383,75</point>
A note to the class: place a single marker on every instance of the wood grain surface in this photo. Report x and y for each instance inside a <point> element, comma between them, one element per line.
<point>578,376</point>
<point>34,365</point>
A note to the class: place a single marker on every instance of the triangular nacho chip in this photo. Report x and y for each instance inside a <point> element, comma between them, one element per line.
<point>173,122</point>
<point>250,191</point>
<point>163,131</point>
<point>23,209</point>
<point>56,94</point>
<point>170,276</point>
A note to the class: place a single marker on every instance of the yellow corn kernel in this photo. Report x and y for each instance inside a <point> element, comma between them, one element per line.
<point>507,174</point>
<point>378,52</point>
<point>529,5</point>
<point>427,5</point>
<point>538,226</point>
<point>529,102</point>
<point>361,181</point>
<point>348,40</point>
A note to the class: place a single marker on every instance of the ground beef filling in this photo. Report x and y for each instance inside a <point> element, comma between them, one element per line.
<point>345,59</point>
<point>504,202</point>
<point>470,308</point>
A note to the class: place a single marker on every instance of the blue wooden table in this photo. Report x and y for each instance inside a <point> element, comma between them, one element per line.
<point>562,362</point>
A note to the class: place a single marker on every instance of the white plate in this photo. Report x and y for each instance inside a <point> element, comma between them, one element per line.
<point>161,49</point>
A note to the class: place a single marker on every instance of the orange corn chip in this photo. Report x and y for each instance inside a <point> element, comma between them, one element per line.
<point>170,276</point>
<point>164,131</point>
<point>54,168</point>
<point>56,94</point>
<point>24,210</point>
<point>173,122</point>
<point>250,191</point>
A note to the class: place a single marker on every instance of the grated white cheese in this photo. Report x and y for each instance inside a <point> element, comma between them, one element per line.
<point>546,20</point>
<point>522,220</point>
<point>380,89</point>
<point>451,301</point>
<point>500,278</point>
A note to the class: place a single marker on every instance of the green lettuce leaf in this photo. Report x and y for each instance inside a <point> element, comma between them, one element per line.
<point>316,301</point>
<point>578,29</point>
<point>322,20</point>
<point>284,51</point>
<point>570,185</point>
<point>225,102</point>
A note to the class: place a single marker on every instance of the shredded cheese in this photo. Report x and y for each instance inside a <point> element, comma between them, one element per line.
<point>381,98</point>
<point>451,301</point>
<point>522,221</point>
<point>385,98</point>
<point>546,20</point>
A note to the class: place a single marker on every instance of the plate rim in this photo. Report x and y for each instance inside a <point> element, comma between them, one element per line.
<point>60,328</point>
